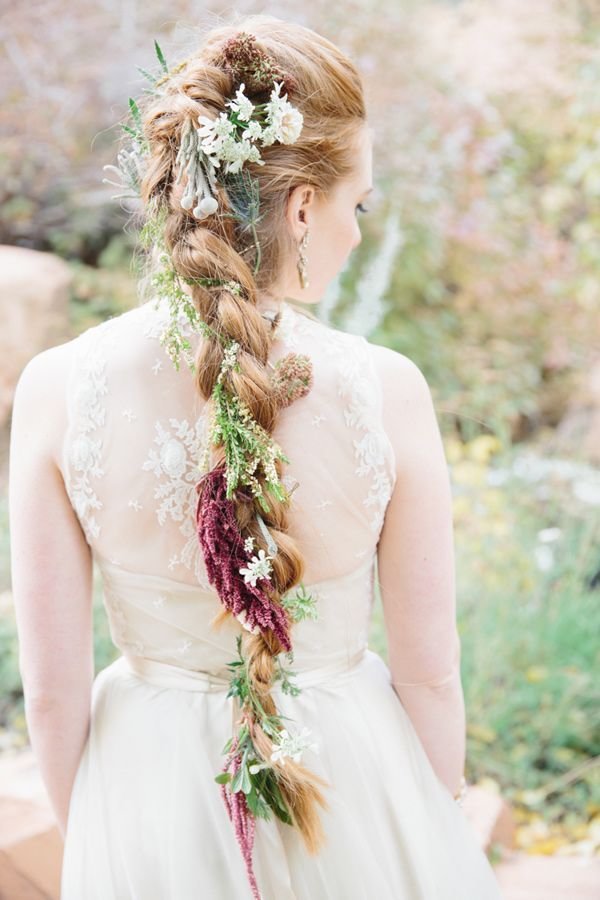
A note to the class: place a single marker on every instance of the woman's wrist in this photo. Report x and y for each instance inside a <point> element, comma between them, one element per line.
<point>462,791</point>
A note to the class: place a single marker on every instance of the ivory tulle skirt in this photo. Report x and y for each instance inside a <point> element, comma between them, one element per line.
<point>147,822</point>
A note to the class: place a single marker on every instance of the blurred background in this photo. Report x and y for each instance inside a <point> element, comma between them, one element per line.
<point>480,261</point>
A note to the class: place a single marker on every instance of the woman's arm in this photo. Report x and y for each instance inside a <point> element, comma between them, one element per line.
<point>51,571</point>
<point>416,571</point>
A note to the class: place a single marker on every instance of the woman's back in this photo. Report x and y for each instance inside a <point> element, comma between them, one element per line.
<point>162,711</point>
<point>136,434</point>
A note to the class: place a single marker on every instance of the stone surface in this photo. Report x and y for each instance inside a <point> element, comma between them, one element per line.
<point>30,844</point>
<point>34,298</point>
<point>525,877</point>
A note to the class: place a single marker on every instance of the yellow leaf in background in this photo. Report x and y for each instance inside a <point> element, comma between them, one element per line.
<point>461,508</point>
<point>494,500</point>
<point>481,733</point>
<point>490,784</point>
<point>536,673</point>
<point>530,797</point>
<point>454,449</point>
<point>482,448</point>
<point>19,722</point>
<point>469,473</point>
<point>547,847</point>
<point>500,528</point>
<point>564,754</point>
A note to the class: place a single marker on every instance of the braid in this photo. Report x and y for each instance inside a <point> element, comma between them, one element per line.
<point>225,265</point>
<point>207,251</point>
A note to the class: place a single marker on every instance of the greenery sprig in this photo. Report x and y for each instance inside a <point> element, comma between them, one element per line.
<point>255,777</point>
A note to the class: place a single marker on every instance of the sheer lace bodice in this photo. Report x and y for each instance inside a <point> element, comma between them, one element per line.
<point>136,433</point>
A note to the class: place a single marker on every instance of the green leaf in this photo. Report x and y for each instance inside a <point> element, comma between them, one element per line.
<point>223,778</point>
<point>130,131</point>
<point>246,783</point>
<point>152,78</point>
<point>161,58</point>
<point>238,780</point>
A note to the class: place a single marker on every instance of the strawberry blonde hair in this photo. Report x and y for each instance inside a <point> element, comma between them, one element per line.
<point>329,94</point>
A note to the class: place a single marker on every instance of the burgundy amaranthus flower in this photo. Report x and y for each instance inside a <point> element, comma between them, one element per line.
<point>222,545</point>
<point>244,822</point>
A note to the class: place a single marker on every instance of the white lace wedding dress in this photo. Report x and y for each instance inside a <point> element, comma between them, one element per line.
<point>146,819</point>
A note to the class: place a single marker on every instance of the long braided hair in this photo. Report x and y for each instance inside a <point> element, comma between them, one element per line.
<point>211,254</point>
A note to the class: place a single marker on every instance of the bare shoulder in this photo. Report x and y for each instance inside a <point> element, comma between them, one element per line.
<point>401,378</point>
<point>45,372</point>
<point>408,413</point>
<point>39,400</point>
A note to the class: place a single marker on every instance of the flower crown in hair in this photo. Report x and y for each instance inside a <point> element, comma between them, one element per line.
<point>231,139</point>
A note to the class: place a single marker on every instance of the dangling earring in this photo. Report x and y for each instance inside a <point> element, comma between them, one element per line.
<point>302,260</point>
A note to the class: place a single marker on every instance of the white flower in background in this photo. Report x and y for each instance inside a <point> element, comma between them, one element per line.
<point>249,544</point>
<point>258,567</point>
<point>544,557</point>
<point>365,315</point>
<point>547,535</point>
<point>241,104</point>
<point>292,746</point>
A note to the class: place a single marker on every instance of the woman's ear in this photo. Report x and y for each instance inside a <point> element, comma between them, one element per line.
<point>300,200</point>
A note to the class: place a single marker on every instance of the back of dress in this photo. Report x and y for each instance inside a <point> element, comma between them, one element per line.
<point>137,432</point>
<point>146,817</point>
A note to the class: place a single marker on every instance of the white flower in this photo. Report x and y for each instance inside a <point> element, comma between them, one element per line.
<point>285,120</point>
<point>547,535</point>
<point>242,617</point>
<point>292,746</point>
<point>258,567</point>
<point>290,125</point>
<point>212,129</point>
<point>241,104</point>
<point>253,131</point>
<point>249,544</point>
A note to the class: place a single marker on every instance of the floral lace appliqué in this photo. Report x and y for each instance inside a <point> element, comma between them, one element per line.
<point>87,413</point>
<point>175,463</point>
<point>358,388</point>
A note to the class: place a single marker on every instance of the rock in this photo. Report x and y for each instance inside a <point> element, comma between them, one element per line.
<point>31,846</point>
<point>34,288</point>
<point>525,877</point>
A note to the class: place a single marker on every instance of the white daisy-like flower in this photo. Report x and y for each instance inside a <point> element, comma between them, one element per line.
<point>253,131</point>
<point>290,125</point>
<point>215,128</point>
<point>285,120</point>
<point>258,567</point>
<point>249,544</point>
<point>292,746</point>
<point>241,104</point>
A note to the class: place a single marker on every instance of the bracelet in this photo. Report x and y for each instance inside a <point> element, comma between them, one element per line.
<point>462,792</point>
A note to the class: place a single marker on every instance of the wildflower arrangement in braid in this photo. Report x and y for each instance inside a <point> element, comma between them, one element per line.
<point>202,210</point>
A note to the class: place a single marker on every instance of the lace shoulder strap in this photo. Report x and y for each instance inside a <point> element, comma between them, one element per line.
<point>82,457</point>
<point>359,387</point>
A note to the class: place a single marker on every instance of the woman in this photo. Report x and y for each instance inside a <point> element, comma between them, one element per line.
<point>246,742</point>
